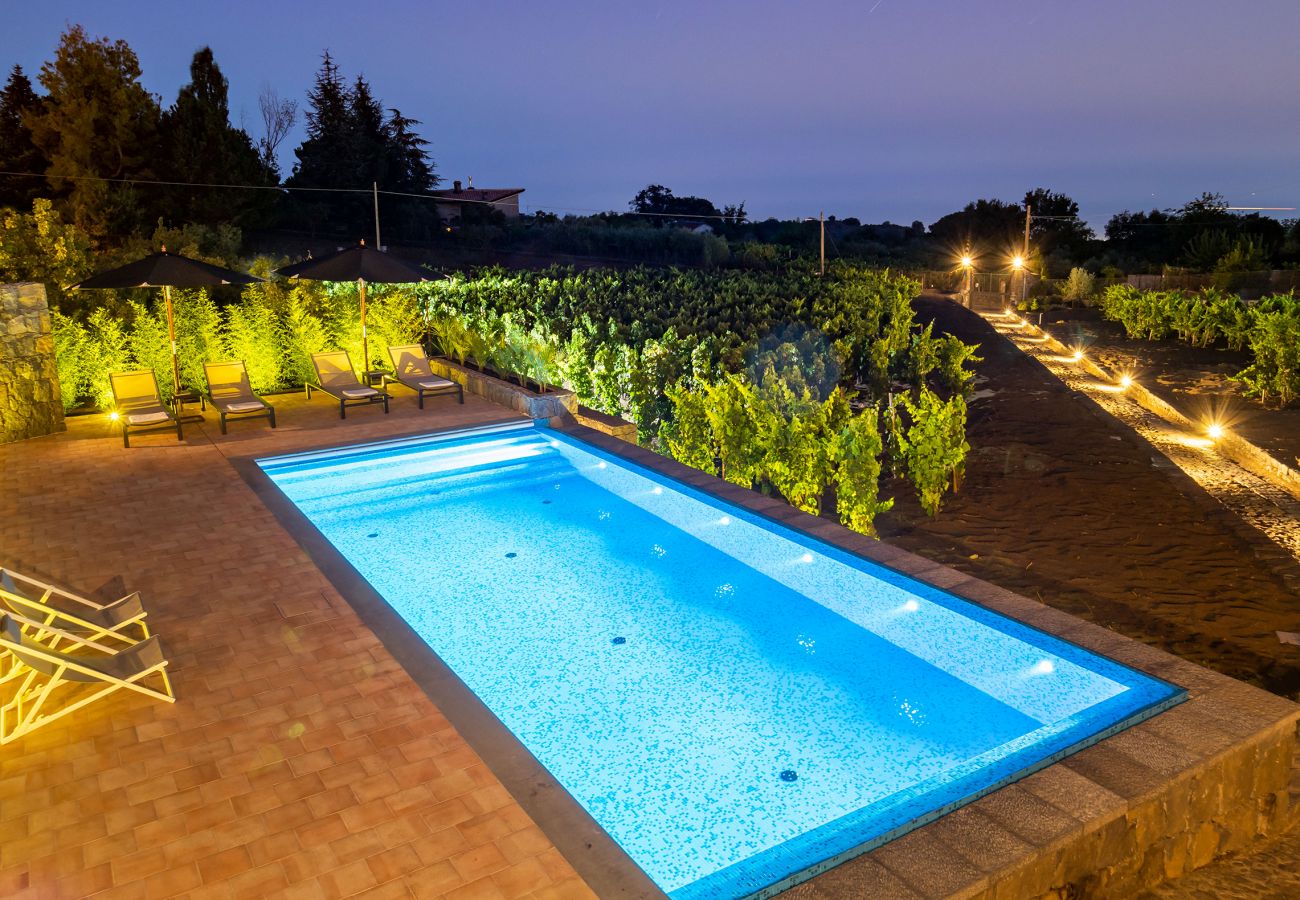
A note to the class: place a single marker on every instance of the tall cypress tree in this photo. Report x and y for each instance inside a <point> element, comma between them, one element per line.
<point>18,152</point>
<point>200,146</point>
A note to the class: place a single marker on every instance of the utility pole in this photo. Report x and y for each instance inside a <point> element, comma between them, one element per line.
<point>821,221</point>
<point>1024,273</point>
<point>379,245</point>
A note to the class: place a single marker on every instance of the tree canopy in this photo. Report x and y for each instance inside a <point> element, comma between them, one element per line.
<point>659,200</point>
<point>202,147</point>
<point>97,122</point>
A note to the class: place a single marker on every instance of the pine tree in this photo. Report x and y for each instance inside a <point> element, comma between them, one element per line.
<point>351,145</point>
<point>324,156</point>
<point>97,120</point>
<point>18,152</point>
<point>200,146</point>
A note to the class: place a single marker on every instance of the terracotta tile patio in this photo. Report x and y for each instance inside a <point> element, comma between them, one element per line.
<point>300,759</point>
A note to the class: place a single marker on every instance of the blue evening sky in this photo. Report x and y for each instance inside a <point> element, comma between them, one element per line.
<point>897,109</point>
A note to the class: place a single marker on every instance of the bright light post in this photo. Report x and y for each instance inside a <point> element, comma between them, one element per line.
<point>968,263</point>
<point>1018,265</point>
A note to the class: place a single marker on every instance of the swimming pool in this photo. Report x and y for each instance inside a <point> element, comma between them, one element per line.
<point>735,703</point>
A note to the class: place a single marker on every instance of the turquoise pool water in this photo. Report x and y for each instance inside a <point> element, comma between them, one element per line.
<point>734,702</point>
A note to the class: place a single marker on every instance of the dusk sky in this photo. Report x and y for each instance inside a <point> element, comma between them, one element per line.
<point>897,109</point>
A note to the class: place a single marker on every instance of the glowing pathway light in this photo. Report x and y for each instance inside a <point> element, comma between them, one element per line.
<point>1215,431</point>
<point>1126,381</point>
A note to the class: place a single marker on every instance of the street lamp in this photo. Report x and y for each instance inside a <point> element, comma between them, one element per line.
<point>968,263</point>
<point>1018,265</point>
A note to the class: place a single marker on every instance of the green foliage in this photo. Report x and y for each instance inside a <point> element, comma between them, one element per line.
<point>73,358</point>
<point>251,334</point>
<point>934,446</point>
<point>1274,376</point>
<point>955,368</point>
<point>301,334</point>
<point>688,438</point>
<point>40,246</point>
<point>97,122</point>
<point>751,369</point>
<point>1079,287</point>
<point>1268,327</point>
<point>856,452</point>
<point>106,351</point>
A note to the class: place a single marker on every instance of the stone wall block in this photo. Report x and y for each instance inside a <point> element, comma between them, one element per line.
<point>30,403</point>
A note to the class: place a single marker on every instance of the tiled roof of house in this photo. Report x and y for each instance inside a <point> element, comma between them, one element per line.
<point>482,195</point>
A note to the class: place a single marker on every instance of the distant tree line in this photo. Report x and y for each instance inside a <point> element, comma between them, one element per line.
<point>100,144</point>
<point>98,137</point>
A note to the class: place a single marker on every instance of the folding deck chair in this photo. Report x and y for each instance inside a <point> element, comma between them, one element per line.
<point>123,619</point>
<point>411,369</point>
<point>334,376</point>
<point>231,393</point>
<point>39,684</point>
<point>138,405</point>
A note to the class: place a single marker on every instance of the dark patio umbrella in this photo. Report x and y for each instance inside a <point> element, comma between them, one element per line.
<point>361,264</point>
<point>167,270</point>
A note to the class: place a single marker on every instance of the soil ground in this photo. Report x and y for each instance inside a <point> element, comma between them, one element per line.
<point>1064,503</point>
<point>1196,380</point>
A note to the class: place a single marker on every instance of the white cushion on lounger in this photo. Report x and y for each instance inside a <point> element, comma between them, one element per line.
<point>245,406</point>
<point>436,383</point>
<point>147,418</point>
<point>358,393</point>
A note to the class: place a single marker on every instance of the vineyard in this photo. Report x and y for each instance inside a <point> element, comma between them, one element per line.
<point>797,385</point>
<point>1269,328</point>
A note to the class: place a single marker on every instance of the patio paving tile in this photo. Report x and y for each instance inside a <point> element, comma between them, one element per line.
<point>300,760</point>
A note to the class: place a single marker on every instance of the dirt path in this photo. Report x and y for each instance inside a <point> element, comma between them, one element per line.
<point>1065,503</point>
<point>1255,500</point>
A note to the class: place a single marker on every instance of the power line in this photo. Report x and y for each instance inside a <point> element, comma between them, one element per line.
<point>368,191</point>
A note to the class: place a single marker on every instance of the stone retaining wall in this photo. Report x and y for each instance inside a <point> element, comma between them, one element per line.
<point>606,424</point>
<point>557,402</point>
<point>30,404</point>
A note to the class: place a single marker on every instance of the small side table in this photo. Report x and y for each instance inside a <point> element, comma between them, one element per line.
<point>190,396</point>
<point>374,379</point>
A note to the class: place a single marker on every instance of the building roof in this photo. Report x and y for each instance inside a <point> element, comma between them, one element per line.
<point>482,195</point>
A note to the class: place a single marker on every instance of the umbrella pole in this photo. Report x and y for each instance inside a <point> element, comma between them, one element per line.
<point>171,333</point>
<point>365,344</point>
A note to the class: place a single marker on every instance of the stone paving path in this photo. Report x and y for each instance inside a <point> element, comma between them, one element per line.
<point>300,759</point>
<point>1257,501</point>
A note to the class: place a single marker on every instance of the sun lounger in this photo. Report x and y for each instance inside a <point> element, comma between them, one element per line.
<point>232,395</point>
<point>334,376</point>
<point>411,369</point>
<point>123,619</point>
<point>138,406</point>
<point>39,684</point>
